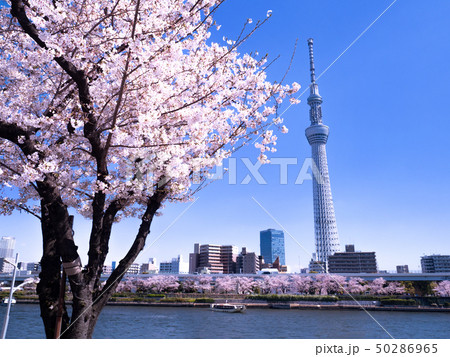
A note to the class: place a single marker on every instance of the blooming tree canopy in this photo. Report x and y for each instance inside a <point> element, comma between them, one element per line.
<point>112,107</point>
<point>443,289</point>
<point>376,287</point>
<point>245,285</point>
<point>394,288</point>
<point>119,98</point>
<point>226,284</point>
<point>356,286</point>
<point>301,284</point>
<point>203,284</point>
<point>329,284</point>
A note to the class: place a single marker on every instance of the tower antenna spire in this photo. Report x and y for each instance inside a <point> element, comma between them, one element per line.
<point>311,60</point>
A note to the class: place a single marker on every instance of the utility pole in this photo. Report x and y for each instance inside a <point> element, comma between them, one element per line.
<point>11,292</point>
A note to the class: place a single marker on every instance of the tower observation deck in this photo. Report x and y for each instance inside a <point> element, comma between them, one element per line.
<point>325,228</point>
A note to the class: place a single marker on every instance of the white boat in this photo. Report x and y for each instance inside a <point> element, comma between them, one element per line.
<point>6,300</point>
<point>228,307</point>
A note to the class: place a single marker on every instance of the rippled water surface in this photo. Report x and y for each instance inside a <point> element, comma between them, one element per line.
<point>179,322</point>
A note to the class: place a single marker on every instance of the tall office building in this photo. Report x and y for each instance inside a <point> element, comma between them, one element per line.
<point>7,247</point>
<point>325,228</point>
<point>272,246</point>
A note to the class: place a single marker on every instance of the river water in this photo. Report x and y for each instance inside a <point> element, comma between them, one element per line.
<point>147,322</point>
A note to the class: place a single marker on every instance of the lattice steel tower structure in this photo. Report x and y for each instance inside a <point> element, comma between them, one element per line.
<point>326,233</point>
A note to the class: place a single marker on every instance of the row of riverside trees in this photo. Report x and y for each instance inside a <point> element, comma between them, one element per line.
<point>321,284</point>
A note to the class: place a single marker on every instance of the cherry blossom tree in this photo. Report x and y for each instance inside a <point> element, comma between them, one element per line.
<point>280,284</point>
<point>325,284</point>
<point>442,289</point>
<point>225,284</point>
<point>162,283</point>
<point>356,286</point>
<point>376,287</point>
<point>263,285</point>
<point>155,284</point>
<point>245,285</point>
<point>126,286</point>
<point>203,284</point>
<point>300,284</point>
<point>394,288</point>
<point>189,285</point>
<point>112,108</point>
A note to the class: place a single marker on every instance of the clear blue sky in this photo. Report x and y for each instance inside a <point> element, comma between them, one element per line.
<point>385,101</point>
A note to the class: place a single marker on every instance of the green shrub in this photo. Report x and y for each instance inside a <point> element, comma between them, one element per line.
<point>207,300</point>
<point>155,295</point>
<point>176,299</point>
<point>446,304</point>
<point>139,299</point>
<point>397,302</point>
<point>120,294</point>
<point>125,300</point>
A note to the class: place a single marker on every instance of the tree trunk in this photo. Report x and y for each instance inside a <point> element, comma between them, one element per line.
<point>48,292</point>
<point>88,299</point>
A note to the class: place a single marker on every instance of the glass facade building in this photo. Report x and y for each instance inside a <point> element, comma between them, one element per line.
<point>272,246</point>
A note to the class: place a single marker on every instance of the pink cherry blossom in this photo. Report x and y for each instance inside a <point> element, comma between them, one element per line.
<point>356,286</point>
<point>443,288</point>
<point>394,288</point>
<point>300,284</point>
<point>377,286</point>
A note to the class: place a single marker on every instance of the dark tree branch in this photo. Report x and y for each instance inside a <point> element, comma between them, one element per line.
<point>153,205</point>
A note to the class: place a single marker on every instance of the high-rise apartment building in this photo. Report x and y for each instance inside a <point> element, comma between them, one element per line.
<point>272,246</point>
<point>435,263</point>
<point>351,261</point>
<point>7,247</point>
<point>247,262</point>
<point>219,259</point>
<point>325,228</point>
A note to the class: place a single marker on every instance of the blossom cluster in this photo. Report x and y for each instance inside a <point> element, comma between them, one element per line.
<point>443,289</point>
<point>164,100</point>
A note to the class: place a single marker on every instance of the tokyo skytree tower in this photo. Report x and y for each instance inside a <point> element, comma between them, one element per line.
<point>326,233</point>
